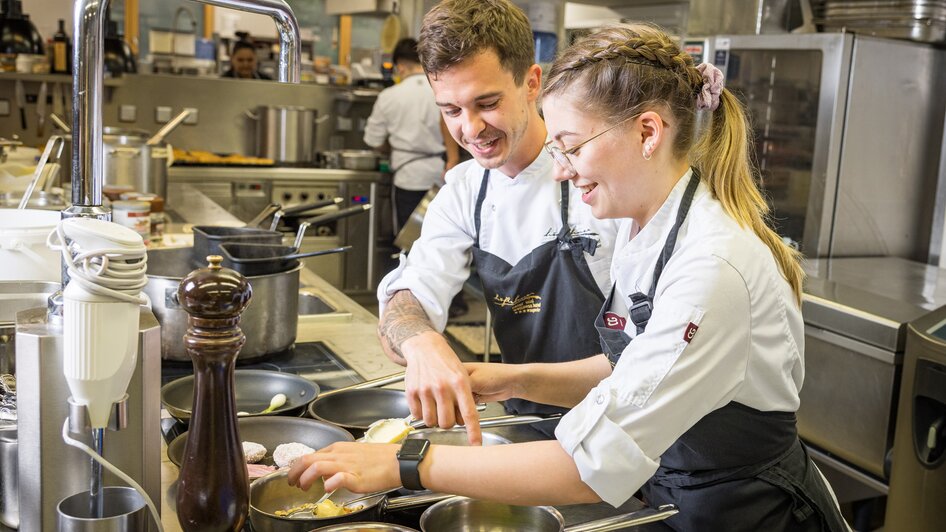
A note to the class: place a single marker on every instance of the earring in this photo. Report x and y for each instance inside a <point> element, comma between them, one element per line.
<point>648,151</point>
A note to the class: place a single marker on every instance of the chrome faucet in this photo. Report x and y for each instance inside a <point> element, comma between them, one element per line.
<point>88,88</point>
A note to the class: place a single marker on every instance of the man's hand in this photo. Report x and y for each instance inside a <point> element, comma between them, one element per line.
<point>438,386</point>
<point>492,382</point>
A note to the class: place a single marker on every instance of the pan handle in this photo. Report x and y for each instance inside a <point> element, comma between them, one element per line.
<point>328,217</point>
<point>620,522</point>
<point>302,207</point>
<point>315,253</point>
<point>268,211</point>
<point>502,421</point>
<point>374,383</point>
<point>417,500</point>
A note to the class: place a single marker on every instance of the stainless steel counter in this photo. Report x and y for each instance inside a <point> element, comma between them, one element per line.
<point>351,334</point>
<point>252,173</point>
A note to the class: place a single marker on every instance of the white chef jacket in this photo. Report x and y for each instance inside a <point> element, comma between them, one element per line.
<point>723,289</point>
<point>519,214</point>
<point>407,116</point>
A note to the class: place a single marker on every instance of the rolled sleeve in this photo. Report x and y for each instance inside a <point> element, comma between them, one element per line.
<point>609,461</point>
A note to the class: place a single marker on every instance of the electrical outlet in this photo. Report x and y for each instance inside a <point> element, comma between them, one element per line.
<point>127,113</point>
<point>191,119</point>
<point>162,114</point>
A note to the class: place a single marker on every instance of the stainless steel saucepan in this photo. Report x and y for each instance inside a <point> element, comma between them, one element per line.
<point>461,514</point>
<point>269,321</point>
<point>273,493</point>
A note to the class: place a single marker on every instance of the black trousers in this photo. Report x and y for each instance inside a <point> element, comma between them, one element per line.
<point>405,201</point>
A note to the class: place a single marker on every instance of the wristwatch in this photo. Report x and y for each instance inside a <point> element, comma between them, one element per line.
<point>409,456</point>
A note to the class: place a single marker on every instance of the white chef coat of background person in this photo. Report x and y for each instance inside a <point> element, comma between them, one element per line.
<point>439,262</point>
<point>405,119</point>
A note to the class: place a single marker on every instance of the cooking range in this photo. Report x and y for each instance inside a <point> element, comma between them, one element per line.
<point>313,360</point>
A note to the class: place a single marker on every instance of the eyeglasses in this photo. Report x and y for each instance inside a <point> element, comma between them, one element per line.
<point>561,156</point>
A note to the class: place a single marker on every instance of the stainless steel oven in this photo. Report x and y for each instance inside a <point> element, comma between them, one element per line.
<point>846,133</point>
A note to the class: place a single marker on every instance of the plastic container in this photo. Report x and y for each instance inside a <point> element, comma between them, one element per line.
<point>23,251</point>
<point>135,215</point>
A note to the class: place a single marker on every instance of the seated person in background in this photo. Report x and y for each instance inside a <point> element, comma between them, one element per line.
<point>243,62</point>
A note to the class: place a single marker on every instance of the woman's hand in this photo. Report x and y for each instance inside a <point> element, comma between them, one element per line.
<point>357,467</point>
<point>494,382</point>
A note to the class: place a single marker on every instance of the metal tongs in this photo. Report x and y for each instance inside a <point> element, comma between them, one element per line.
<point>41,169</point>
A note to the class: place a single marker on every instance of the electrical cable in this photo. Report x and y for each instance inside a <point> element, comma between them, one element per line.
<point>114,470</point>
<point>119,273</point>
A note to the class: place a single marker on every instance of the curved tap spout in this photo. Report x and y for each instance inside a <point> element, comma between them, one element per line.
<point>290,54</point>
<point>88,87</point>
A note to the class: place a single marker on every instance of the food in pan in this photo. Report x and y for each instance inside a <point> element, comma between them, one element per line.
<point>391,430</point>
<point>255,471</point>
<point>287,453</point>
<point>253,452</point>
<point>324,509</point>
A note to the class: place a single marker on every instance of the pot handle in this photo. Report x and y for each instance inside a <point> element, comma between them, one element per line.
<point>168,128</point>
<point>620,522</point>
<point>503,421</point>
<point>405,502</point>
<point>251,115</point>
<point>374,383</point>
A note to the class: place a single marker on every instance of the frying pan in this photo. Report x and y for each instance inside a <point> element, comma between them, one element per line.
<point>271,431</point>
<point>264,259</point>
<point>460,514</point>
<point>253,389</point>
<point>272,492</point>
<point>207,238</point>
<point>355,410</point>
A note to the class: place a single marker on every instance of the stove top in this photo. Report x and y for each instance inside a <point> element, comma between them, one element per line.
<point>314,361</point>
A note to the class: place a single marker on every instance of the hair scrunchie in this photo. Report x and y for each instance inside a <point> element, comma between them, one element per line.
<point>708,97</point>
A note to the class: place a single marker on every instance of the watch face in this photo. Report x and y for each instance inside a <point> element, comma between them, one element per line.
<point>413,448</point>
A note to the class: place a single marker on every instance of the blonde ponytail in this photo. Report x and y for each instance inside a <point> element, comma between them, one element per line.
<point>722,157</point>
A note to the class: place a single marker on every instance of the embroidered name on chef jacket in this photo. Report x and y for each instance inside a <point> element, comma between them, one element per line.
<point>614,321</point>
<point>528,304</point>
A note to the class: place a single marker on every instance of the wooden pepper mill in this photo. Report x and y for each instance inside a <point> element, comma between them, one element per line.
<point>213,488</point>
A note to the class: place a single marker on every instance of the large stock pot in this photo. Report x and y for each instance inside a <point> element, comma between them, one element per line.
<point>269,321</point>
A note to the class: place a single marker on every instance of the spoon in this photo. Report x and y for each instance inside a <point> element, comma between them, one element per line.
<point>277,401</point>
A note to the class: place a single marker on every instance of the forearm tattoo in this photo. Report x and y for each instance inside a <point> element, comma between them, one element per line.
<point>403,318</point>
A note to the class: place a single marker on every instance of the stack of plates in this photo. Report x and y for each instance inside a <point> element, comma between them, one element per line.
<point>916,20</point>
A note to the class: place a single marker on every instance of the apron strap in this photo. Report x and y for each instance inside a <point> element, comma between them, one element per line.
<point>479,207</point>
<point>643,305</point>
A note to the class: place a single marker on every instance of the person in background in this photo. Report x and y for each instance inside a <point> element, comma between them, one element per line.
<point>405,122</point>
<point>243,62</point>
<point>693,400</point>
<point>542,257</point>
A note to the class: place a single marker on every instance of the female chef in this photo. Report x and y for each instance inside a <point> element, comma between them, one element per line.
<point>694,398</point>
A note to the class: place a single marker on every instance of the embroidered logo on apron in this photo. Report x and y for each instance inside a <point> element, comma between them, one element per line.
<point>614,321</point>
<point>528,304</point>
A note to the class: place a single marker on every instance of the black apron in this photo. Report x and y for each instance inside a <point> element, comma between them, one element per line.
<point>541,307</point>
<point>738,468</point>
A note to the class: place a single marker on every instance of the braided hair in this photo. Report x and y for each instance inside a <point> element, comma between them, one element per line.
<point>621,71</point>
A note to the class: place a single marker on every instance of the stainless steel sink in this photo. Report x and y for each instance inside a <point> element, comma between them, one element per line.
<point>310,304</point>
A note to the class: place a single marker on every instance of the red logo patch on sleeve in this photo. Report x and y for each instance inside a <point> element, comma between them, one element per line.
<point>691,330</point>
<point>614,321</point>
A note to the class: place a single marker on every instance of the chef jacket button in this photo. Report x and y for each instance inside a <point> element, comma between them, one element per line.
<point>600,399</point>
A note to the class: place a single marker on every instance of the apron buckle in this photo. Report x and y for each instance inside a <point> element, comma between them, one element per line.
<point>641,309</point>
